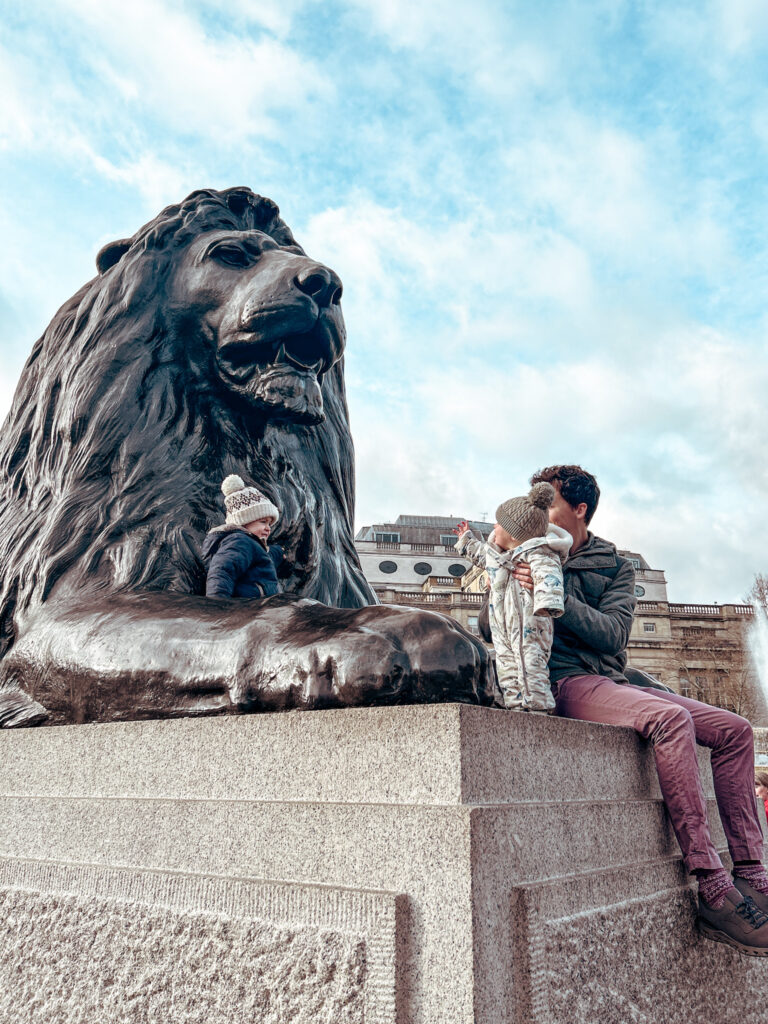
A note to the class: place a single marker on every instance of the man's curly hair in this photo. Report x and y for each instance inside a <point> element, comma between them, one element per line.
<point>574,483</point>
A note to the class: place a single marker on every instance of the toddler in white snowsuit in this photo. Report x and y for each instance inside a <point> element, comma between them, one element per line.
<point>521,621</point>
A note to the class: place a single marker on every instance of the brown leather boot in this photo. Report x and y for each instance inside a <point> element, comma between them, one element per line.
<point>758,898</point>
<point>738,923</point>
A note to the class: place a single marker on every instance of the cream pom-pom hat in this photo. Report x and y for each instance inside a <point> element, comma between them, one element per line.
<point>244,504</point>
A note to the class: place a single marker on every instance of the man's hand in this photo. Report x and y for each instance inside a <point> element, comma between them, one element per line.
<point>523,575</point>
<point>460,528</point>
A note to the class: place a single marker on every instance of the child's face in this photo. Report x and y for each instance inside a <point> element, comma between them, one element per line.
<point>503,539</point>
<point>259,527</point>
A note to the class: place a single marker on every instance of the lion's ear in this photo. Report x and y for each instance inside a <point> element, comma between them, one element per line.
<point>111,253</point>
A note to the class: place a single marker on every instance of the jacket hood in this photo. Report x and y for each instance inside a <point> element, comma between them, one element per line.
<point>556,538</point>
<point>226,528</point>
<point>215,536</point>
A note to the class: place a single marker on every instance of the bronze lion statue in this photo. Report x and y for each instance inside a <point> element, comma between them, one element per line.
<point>208,344</point>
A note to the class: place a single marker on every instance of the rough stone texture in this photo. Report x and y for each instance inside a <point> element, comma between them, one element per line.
<point>89,961</point>
<point>639,977</point>
<point>495,851</point>
<point>95,944</point>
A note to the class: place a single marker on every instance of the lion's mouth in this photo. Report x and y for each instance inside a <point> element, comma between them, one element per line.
<point>282,378</point>
<point>278,372</point>
<point>244,360</point>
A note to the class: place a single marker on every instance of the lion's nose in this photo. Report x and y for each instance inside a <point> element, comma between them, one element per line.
<point>320,283</point>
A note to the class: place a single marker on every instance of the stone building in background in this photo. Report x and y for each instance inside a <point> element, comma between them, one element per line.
<point>412,561</point>
<point>698,650</point>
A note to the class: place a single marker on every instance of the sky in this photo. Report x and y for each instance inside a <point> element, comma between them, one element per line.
<point>550,221</point>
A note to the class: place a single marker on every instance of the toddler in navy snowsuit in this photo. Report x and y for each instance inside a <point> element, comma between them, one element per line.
<point>238,561</point>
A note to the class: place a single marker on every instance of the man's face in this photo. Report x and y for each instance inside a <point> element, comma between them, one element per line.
<point>566,516</point>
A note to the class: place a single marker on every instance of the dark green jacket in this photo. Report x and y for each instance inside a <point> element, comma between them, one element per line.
<point>591,636</point>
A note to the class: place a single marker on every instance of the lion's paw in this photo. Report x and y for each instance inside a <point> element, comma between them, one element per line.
<point>330,657</point>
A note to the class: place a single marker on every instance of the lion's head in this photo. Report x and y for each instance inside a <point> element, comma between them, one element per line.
<point>248,298</point>
<point>208,344</point>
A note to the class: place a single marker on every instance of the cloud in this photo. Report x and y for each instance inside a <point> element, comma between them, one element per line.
<point>15,124</point>
<point>276,16</point>
<point>466,279</point>
<point>496,57</point>
<point>118,64</point>
<point>158,182</point>
<point>453,411</point>
<point>676,431</point>
<point>611,189</point>
<point>743,24</point>
<point>548,221</point>
<point>423,25</point>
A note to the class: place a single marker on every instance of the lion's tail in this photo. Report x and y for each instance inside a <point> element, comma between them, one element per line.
<point>18,709</point>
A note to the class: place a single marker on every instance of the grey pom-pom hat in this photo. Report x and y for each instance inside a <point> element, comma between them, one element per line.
<point>528,516</point>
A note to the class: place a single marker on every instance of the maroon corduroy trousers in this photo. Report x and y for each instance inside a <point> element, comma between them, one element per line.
<point>674,725</point>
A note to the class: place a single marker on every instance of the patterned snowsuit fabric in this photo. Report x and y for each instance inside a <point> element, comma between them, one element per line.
<point>521,621</point>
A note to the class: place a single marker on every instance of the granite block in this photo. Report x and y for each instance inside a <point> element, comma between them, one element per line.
<point>420,851</point>
<point>83,943</point>
<point>508,756</point>
<point>637,959</point>
<point>448,753</point>
<point>492,832</point>
<point>314,756</point>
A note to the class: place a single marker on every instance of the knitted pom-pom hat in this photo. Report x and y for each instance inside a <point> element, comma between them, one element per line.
<point>527,517</point>
<point>244,504</point>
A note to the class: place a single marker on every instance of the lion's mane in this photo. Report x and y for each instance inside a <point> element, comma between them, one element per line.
<point>117,441</point>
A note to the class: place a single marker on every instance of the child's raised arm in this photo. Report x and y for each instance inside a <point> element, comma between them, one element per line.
<point>468,545</point>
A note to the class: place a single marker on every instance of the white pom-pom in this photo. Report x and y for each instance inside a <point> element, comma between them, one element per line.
<point>231,484</point>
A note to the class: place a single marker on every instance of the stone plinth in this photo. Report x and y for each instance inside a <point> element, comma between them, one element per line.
<point>445,864</point>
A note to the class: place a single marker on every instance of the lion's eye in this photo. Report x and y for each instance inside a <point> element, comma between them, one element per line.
<point>234,255</point>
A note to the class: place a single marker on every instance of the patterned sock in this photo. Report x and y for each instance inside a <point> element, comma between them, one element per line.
<point>713,885</point>
<point>755,874</point>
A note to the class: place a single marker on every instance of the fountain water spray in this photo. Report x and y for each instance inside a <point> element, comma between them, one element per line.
<point>758,648</point>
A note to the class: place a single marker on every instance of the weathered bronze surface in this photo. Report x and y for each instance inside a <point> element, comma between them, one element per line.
<point>208,344</point>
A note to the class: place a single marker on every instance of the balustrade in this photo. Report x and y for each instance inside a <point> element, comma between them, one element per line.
<point>695,609</point>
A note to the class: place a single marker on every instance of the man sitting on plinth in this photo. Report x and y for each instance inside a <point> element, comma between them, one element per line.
<point>588,681</point>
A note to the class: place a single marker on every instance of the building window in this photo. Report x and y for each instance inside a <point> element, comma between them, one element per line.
<point>639,591</point>
<point>387,567</point>
<point>457,569</point>
<point>636,563</point>
<point>649,627</point>
<point>472,624</point>
<point>387,538</point>
<point>422,568</point>
<point>448,540</point>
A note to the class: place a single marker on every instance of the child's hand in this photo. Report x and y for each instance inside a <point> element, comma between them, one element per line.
<point>462,527</point>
